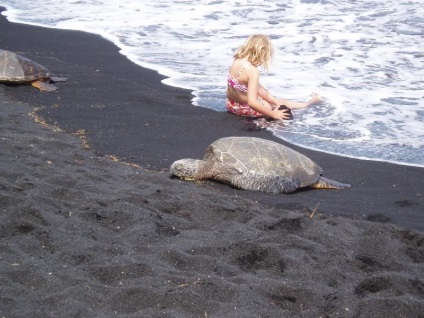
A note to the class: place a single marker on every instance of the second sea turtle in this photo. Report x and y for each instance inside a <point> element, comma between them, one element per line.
<point>17,69</point>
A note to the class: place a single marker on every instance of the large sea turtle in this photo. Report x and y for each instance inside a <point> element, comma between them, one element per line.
<point>15,68</point>
<point>255,164</point>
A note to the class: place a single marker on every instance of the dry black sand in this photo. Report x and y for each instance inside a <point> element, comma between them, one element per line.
<point>83,235</point>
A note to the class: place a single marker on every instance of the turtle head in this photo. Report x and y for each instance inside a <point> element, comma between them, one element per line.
<point>187,169</point>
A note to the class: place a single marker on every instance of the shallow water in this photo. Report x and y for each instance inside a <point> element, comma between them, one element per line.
<point>366,58</point>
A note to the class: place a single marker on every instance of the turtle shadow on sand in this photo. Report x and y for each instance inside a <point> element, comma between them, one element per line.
<point>255,164</point>
<point>16,69</point>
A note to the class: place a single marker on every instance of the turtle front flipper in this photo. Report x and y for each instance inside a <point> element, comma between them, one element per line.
<point>43,86</point>
<point>324,183</point>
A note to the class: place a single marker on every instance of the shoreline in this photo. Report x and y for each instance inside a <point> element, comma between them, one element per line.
<point>125,111</point>
<point>302,143</point>
<point>82,234</point>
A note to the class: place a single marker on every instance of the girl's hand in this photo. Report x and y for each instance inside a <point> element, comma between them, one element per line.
<point>281,114</point>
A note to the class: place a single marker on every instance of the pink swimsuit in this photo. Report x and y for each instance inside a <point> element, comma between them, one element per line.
<point>238,108</point>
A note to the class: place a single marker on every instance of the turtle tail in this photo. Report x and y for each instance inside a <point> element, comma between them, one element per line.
<point>324,183</point>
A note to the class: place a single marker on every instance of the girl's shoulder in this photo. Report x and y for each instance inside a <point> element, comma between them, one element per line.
<point>241,68</point>
<point>242,64</point>
<point>242,61</point>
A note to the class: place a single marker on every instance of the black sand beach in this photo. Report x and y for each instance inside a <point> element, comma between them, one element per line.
<point>85,235</point>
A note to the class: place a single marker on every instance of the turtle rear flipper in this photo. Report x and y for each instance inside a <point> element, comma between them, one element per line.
<point>324,183</point>
<point>58,79</point>
<point>43,86</point>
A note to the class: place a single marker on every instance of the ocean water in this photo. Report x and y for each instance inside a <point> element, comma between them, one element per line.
<point>366,58</point>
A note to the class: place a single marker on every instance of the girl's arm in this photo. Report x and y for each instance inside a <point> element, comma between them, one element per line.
<point>252,98</point>
<point>263,92</point>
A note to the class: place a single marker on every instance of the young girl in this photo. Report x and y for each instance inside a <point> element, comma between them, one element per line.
<point>245,95</point>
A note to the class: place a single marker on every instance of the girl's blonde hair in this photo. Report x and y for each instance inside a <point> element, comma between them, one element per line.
<point>257,50</point>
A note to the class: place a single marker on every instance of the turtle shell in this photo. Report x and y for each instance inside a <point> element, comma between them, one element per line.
<point>262,159</point>
<point>18,69</point>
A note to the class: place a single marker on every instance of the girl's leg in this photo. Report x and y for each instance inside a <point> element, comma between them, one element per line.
<point>315,99</point>
<point>265,103</point>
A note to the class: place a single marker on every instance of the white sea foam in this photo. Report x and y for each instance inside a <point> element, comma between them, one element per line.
<point>365,57</point>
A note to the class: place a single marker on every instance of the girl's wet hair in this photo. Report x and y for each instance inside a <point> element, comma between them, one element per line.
<point>257,50</point>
